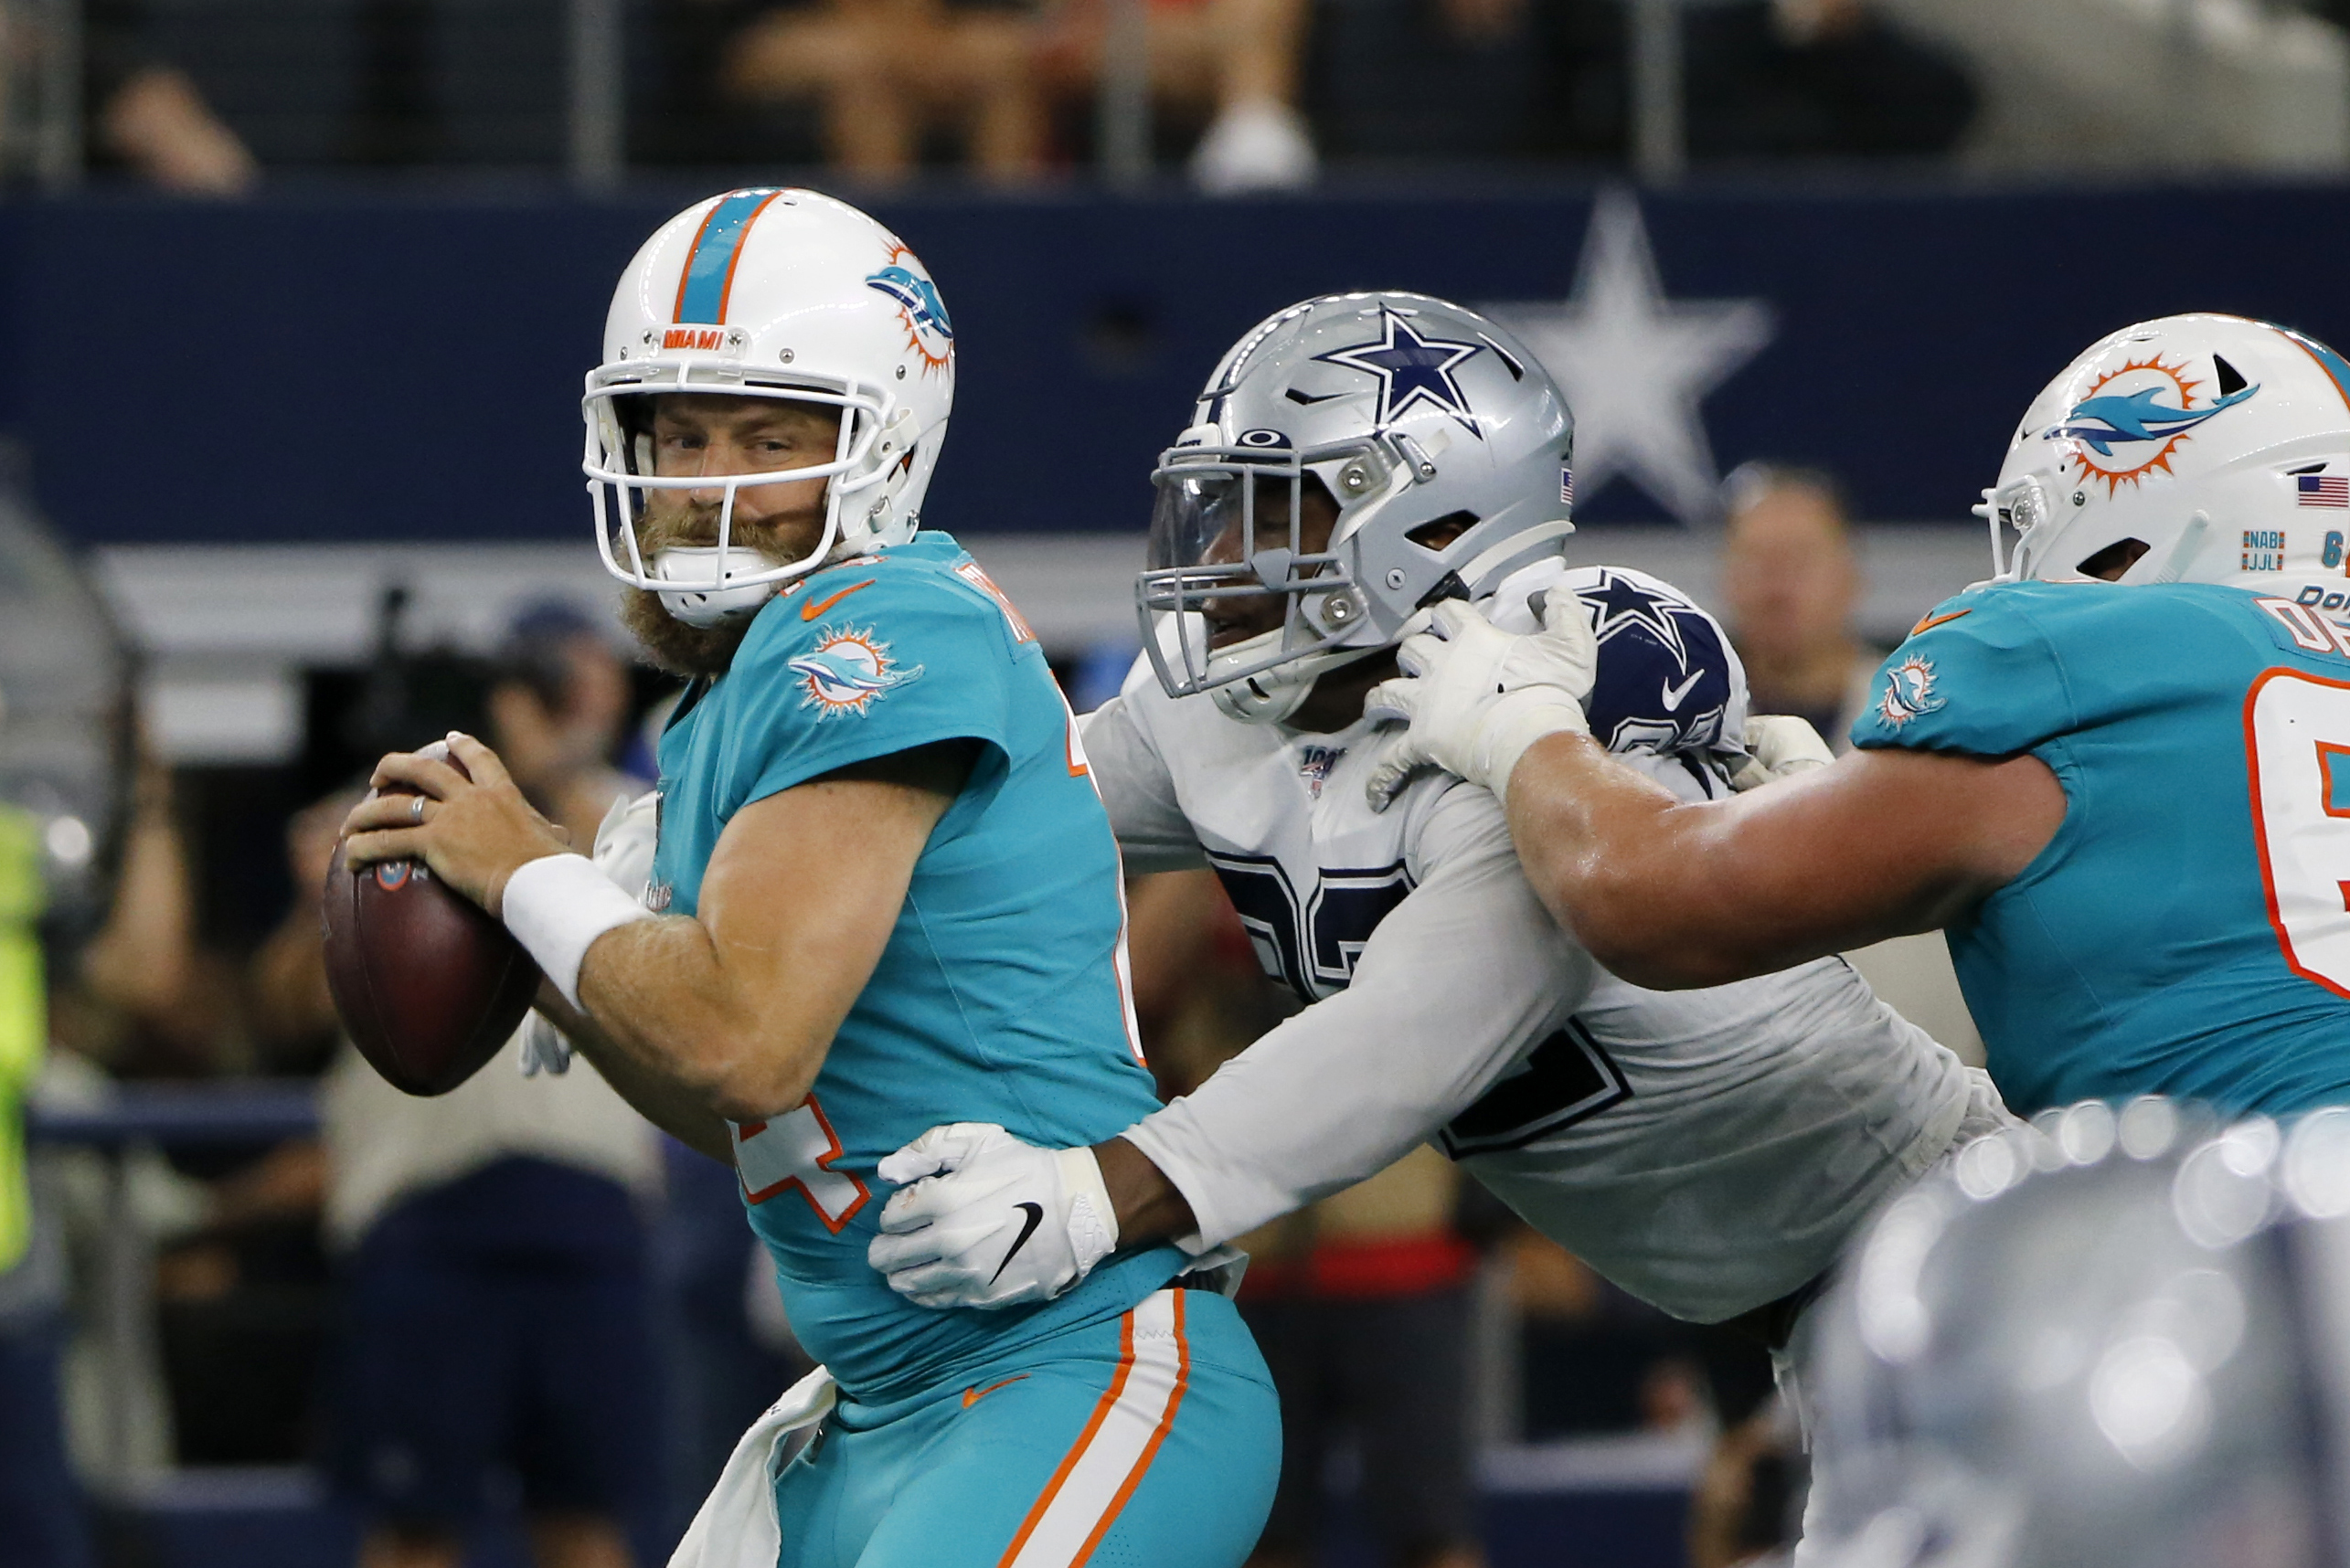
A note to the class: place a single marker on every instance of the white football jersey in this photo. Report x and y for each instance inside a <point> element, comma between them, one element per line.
<point>1707,1151</point>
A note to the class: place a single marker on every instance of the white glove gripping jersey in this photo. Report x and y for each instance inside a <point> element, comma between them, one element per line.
<point>1708,1151</point>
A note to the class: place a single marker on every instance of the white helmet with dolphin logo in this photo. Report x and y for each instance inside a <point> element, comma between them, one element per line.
<point>2206,448</point>
<point>781,294</point>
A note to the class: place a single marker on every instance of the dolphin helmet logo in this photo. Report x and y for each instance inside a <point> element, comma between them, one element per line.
<point>929,330</point>
<point>2125,428</point>
<point>846,672</point>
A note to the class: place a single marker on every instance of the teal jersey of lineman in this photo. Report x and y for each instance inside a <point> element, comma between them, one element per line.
<point>2187,931</point>
<point>1001,994</point>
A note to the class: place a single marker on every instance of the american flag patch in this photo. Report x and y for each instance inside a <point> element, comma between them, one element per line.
<point>1566,487</point>
<point>2324,490</point>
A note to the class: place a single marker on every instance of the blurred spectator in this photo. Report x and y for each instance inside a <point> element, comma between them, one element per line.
<point>497,1323</point>
<point>556,708</point>
<point>724,1367</point>
<point>1746,1506</point>
<point>1359,1303</point>
<point>1598,1360</point>
<point>149,1003</point>
<point>147,114</point>
<point>1228,65</point>
<point>1791,583</point>
<point>1780,79</point>
<point>884,73</point>
<point>40,1520</point>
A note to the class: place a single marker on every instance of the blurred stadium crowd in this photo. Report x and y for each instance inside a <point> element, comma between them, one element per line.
<point>210,95</point>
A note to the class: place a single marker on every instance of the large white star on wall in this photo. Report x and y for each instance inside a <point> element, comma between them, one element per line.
<point>1634,365</point>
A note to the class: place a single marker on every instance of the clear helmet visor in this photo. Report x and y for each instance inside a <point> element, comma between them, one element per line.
<point>1242,552</point>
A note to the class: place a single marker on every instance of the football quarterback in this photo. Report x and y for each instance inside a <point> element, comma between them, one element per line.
<point>1353,458</point>
<point>2117,774</point>
<point>882,891</point>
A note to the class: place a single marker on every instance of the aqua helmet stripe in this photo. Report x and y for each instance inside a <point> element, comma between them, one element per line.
<point>708,274</point>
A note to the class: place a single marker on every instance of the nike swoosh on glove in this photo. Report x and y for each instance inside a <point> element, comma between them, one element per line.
<point>1779,745</point>
<point>985,1220</point>
<point>1477,696</point>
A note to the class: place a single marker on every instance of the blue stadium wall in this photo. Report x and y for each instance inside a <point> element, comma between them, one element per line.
<point>327,369</point>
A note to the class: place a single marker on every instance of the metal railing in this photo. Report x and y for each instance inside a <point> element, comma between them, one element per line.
<point>131,1118</point>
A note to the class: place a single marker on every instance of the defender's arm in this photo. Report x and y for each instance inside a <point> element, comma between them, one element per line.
<point>1138,792</point>
<point>731,1009</point>
<point>1668,896</point>
<point>1453,988</point>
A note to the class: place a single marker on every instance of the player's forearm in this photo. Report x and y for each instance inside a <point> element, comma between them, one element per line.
<point>1150,1208</point>
<point>661,996</point>
<point>657,1098</point>
<point>1673,896</point>
<point>1607,853</point>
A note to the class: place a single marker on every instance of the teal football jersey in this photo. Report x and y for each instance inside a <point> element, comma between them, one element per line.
<point>2187,931</point>
<point>1001,995</point>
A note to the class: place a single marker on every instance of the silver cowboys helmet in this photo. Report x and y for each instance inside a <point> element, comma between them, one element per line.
<point>1442,444</point>
<point>2114,1339</point>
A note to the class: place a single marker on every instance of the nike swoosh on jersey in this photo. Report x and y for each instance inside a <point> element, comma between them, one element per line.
<point>1028,1228</point>
<point>1933,620</point>
<point>971,1396</point>
<point>811,610</point>
<point>1673,695</point>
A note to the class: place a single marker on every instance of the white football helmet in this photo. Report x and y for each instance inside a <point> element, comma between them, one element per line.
<point>779,294</point>
<point>2218,444</point>
<point>1442,441</point>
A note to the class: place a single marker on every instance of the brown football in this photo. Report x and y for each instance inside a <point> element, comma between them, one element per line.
<point>428,986</point>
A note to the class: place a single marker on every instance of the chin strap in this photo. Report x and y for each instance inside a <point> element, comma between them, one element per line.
<point>710,607</point>
<point>1270,696</point>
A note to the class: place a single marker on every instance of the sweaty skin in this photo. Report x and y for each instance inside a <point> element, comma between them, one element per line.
<point>725,1014</point>
<point>1877,844</point>
<point>1672,897</point>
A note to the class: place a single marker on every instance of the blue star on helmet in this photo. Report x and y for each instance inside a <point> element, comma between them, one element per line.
<point>1411,370</point>
<point>1622,602</point>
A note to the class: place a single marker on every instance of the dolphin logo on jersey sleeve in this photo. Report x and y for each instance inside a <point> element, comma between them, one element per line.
<point>846,672</point>
<point>1909,692</point>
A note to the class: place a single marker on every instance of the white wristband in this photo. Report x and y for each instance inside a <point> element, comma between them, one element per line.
<point>1092,1218</point>
<point>557,906</point>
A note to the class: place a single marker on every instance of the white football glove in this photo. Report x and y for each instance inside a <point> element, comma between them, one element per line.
<point>989,1220</point>
<point>1779,745</point>
<point>1477,696</point>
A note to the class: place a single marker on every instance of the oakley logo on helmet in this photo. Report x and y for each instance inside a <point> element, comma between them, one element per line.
<point>929,332</point>
<point>1412,370</point>
<point>2125,428</point>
